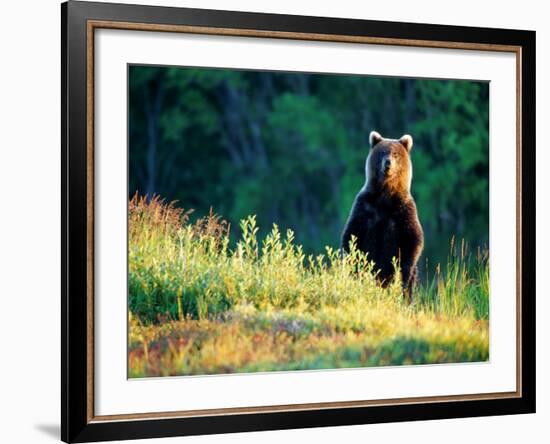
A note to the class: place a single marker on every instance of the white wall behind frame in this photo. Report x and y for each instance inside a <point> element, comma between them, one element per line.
<point>29,234</point>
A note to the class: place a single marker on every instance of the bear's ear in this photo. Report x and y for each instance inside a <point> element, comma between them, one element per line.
<point>407,142</point>
<point>374,138</point>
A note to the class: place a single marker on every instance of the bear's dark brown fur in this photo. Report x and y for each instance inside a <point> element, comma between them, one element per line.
<point>383,217</point>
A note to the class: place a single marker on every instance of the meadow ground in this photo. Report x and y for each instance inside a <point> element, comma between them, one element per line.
<point>199,306</point>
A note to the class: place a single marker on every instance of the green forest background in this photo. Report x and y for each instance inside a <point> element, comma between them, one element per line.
<point>291,148</point>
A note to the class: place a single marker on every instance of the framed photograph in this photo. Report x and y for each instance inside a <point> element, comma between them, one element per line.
<point>275,221</point>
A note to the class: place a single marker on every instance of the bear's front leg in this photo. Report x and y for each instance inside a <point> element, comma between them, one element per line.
<point>354,225</point>
<point>411,243</point>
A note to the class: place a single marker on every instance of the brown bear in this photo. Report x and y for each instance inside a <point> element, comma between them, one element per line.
<point>383,217</point>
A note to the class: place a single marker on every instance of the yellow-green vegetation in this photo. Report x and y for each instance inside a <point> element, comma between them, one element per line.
<point>198,306</point>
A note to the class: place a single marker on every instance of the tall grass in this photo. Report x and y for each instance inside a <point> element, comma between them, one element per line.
<point>461,286</point>
<point>207,306</point>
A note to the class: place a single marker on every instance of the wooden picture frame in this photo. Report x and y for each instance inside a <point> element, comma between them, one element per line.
<point>79,22</point>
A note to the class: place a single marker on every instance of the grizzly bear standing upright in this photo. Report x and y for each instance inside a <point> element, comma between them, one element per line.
<point>383,217</point>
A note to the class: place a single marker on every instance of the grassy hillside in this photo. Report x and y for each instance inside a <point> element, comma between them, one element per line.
<point>199,306</point>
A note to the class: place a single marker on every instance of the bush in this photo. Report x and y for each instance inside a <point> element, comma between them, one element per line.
<point>187,282</point>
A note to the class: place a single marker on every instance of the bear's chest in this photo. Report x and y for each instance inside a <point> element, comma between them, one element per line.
<point>379,219</point>
<point>379,236</point>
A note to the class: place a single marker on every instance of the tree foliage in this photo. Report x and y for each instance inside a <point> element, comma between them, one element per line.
<point>291,147</point>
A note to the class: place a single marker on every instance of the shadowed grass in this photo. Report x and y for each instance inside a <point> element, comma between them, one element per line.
<point>198,306</point>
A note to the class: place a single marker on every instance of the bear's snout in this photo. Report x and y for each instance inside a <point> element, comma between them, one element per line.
<point>386,165</point>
